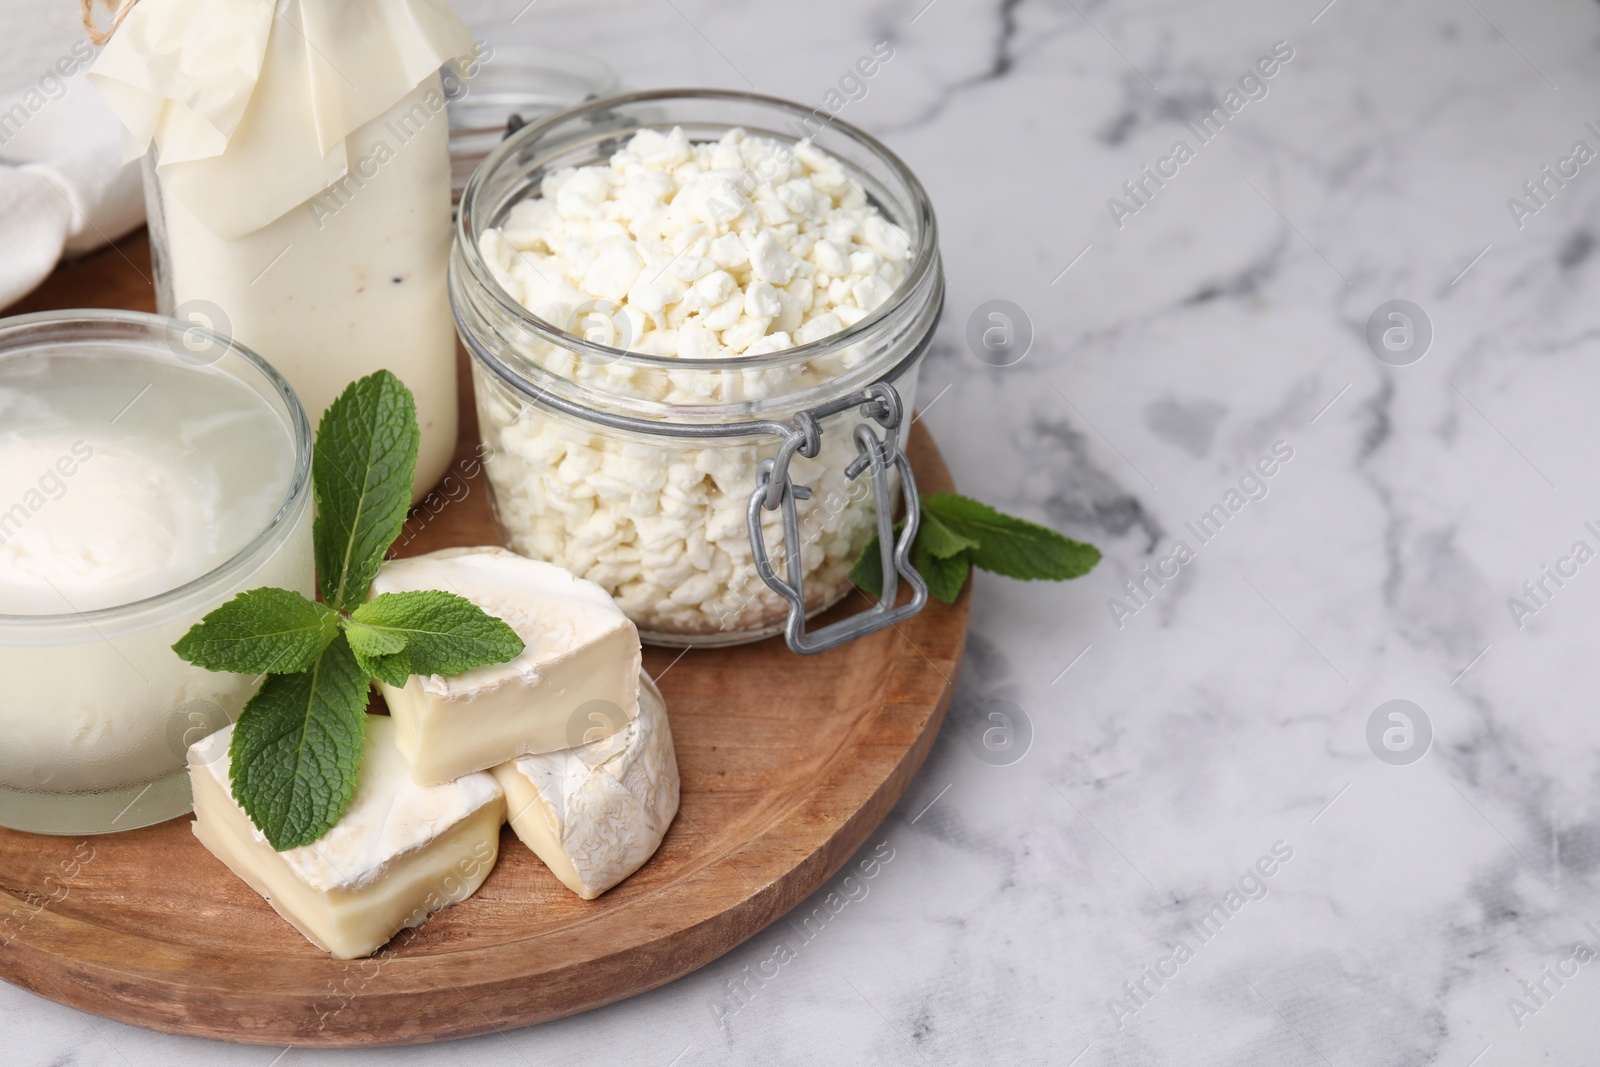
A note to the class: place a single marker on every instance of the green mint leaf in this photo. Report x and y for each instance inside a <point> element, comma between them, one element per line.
<point>371,645</point>
<point>263,631</point>
<point>957,533</point>
<point>391,670</point>
<point>867,574</point>
<point>945,576</point>
<point>372,640</point>
<point>941,558</point>
<point>939,540</point>
<point>443,634</point>
<point>297,748</point>
<point>362,466</point>
<point>1011,546</point>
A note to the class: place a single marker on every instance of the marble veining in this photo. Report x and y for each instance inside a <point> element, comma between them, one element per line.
<point>1059,902</point>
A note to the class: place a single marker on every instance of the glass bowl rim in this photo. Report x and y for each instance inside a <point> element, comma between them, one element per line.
<point>152,325</point>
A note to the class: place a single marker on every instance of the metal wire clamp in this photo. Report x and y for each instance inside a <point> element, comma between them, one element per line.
<point>776,491</point>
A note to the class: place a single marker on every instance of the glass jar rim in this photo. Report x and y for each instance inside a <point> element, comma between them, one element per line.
<point>299,432</point>
<point>926,260</point>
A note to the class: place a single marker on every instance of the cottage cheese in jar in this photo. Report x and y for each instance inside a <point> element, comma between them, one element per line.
<point>716,257</point>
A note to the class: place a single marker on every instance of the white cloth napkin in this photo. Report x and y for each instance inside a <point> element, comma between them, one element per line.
<point>64,188</point>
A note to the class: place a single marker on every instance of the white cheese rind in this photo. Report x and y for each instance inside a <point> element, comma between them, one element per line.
<point>580,665</point>
<point>594,814</point>
<point>401,852</point>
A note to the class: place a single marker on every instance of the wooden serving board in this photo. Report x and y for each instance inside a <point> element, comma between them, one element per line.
<point>788,764</point>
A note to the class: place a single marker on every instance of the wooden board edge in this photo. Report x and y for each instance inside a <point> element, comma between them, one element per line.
<point>112,990</point>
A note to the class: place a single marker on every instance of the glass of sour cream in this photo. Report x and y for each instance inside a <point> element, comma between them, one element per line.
<point>149,471</point>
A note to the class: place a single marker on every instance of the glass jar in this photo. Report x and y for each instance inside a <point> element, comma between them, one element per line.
<point>98,712</point>
<point>685,510</point>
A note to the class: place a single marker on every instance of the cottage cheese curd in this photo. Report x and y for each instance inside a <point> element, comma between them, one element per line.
<point>743,246</point>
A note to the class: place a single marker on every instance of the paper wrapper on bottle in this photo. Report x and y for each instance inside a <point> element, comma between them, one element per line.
<point>249,102</point>
<point>300,196</point>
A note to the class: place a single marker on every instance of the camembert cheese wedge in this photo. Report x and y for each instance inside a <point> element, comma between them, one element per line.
<point>576,679</point>
<point>595,813</point>
<point>401,852</point>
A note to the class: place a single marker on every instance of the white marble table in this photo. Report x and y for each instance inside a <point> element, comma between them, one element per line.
<point>1076,902</point>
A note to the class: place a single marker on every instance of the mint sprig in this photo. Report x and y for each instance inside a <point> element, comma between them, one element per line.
<point>296,751</point>
<point>957,533</point>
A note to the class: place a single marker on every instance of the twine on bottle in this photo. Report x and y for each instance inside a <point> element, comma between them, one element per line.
<point>119,8</point>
